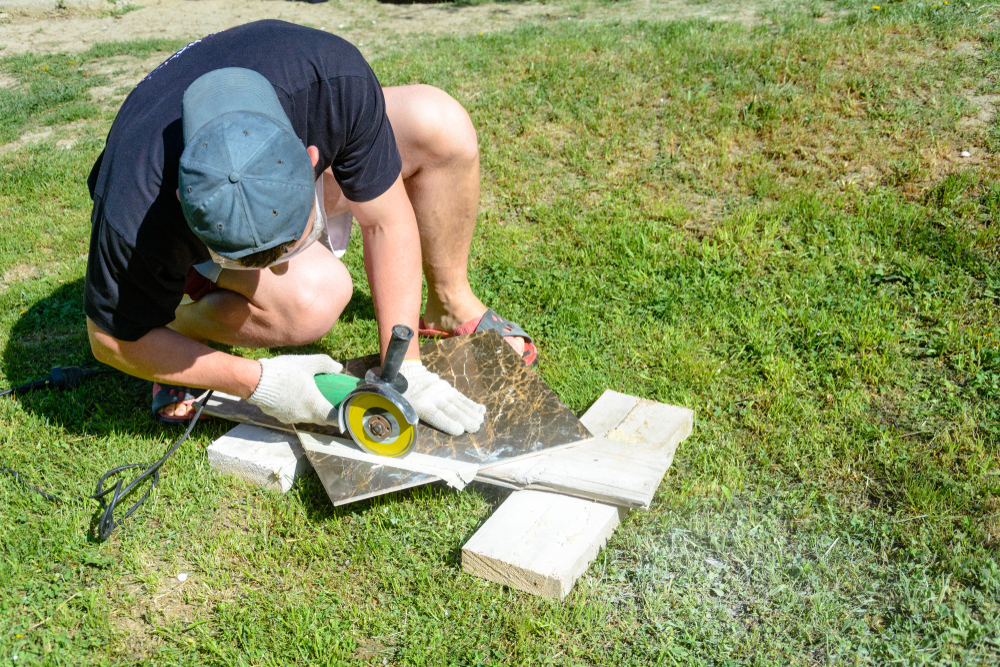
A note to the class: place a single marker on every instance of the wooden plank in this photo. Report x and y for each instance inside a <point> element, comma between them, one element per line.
<point>624,468</point>
<point>608,412</point>
<point>539,542</point>
<point>653,423</point>
<point>542,542</point>
<point>609,471</point>
<point>271,459</point>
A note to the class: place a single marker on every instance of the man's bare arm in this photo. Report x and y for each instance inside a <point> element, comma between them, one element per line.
<point>164,355</point>
<point>393,264</point>
<point>392,261</point>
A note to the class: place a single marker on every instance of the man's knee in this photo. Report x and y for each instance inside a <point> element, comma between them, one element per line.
<point>442,128</point>
<point>319,297</point>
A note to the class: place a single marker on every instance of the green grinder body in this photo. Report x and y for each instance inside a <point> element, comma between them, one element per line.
<point>336,386</point>
<point>377,418</point>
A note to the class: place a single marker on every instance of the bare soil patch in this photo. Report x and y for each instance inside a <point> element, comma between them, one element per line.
<point>137,626</point>
<point>123,73</point>
<point>67,136</point>
<point>372,26</point>
<point>987,110</point>
<point>19,273</point>
<point>25,139</point>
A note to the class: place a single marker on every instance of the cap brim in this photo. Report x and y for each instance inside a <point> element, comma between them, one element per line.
<point>226,90</point>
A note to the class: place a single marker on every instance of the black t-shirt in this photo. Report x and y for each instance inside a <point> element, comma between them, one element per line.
<point>140,244</point>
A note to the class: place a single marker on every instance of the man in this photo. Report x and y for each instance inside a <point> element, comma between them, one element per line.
<point>205,213</point>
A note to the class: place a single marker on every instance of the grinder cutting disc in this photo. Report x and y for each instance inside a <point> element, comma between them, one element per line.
<point>377,424</point>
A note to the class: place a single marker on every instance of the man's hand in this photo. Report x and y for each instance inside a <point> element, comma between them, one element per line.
<point>288,392</point>
<point>439,404</point>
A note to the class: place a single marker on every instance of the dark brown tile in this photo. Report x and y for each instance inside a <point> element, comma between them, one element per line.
<point>523,417</point>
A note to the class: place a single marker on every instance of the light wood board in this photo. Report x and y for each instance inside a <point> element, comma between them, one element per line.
<point>607,412</point>
<point>539,542</point>
<point>271,459</point>
<point>623,468</point>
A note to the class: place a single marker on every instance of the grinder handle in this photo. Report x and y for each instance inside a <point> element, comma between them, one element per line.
<point>396,352</point>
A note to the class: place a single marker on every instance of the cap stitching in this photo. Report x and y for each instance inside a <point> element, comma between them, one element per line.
<point>215,193</point>
<point>250,224</point>
<point>263,142</point>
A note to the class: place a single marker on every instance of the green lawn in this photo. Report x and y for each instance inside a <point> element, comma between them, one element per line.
<point>771,225</point>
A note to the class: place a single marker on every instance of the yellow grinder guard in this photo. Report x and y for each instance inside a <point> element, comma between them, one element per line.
<point>377,418</point>
<point>378,425</point>
<point>373,411</point>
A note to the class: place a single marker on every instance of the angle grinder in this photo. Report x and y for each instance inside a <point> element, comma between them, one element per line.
<point>373,411</point>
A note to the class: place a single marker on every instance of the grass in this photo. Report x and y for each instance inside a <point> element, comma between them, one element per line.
<point>769,224</point>
<point>119,9</point>
<point>54,88</point>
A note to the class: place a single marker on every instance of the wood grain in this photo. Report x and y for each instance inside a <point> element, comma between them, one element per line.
<point>539,542</point>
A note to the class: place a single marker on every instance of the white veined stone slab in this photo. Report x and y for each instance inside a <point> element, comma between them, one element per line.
<point>539,542</point>
<point>268,458</point>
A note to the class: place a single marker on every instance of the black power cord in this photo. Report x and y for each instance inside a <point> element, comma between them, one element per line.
<point>70,377</point>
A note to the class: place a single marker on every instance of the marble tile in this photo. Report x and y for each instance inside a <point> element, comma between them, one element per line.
<point>523,417</point>
<point>348,481</point>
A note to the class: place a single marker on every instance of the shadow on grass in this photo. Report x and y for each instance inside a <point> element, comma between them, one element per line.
<point>53,332</point>
<point>319,508</point>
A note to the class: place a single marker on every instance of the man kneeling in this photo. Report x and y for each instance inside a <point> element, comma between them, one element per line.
<point>223,169</point>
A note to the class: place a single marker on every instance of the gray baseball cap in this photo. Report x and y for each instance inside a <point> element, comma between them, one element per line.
<point>245,178</point>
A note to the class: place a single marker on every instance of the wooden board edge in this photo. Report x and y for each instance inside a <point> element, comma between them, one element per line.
<point>608,411</point>
<point>513,576</point>
<point>550,579</point>
<point>632,503</point>
<point>638,501</point>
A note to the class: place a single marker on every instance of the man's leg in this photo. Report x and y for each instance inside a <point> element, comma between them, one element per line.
<point>294,304</point>
<point>440,152</point>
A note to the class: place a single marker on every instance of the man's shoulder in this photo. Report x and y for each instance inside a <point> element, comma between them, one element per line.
<point>289,41</point>
<point>157,232</point>
<point>298,56</point>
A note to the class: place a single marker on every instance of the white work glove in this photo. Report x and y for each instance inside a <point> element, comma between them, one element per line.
<point>438,404</point>
<point>288,392</point>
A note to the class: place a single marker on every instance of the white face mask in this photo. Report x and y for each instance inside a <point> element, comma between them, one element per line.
<point>318,223</point>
